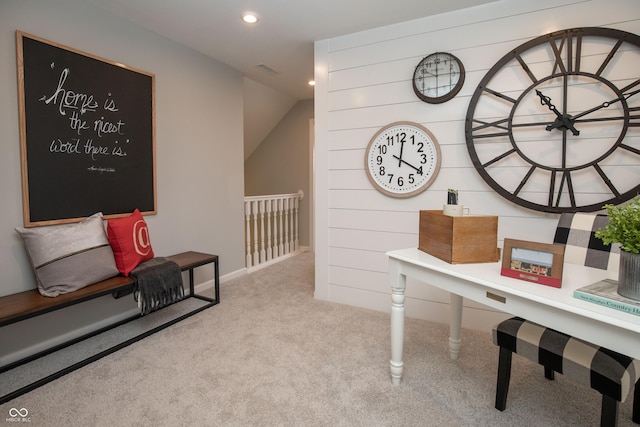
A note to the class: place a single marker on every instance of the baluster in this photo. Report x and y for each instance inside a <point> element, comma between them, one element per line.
<point>280,215</point>
<point>262,251</point>
<point>280,242</point>
<point>290,222</point>
<point>269,219</point>
<point>274,204</point>
<point>292,246</point>
<point>286,226</point>
<point>254,211</point>
<point>296,241</point>
<point>247,215</point>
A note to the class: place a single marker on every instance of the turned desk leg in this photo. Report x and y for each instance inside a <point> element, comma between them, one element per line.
<point>455,326</point>
<point>398,285</point>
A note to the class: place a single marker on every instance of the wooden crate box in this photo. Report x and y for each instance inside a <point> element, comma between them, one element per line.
<point>459,239</point>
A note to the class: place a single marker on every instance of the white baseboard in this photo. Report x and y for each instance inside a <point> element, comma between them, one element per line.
<point>209,284</point>
<point>244,271</point>
<point>300,250</point>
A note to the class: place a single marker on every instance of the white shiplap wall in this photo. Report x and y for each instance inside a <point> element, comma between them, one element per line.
<point>363,82</point>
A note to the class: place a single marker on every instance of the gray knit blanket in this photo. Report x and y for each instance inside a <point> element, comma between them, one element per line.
<point>158,284</point>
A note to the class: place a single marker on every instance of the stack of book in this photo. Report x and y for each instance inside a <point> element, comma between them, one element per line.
<point>605,293</point>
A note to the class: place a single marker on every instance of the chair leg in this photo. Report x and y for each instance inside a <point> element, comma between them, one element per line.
<point>609,414</point>
<point>548,373</point>
<point>504,375</point>
<point>636,403</point>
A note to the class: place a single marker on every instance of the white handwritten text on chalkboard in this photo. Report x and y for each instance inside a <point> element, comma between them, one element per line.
<point>79,104</point>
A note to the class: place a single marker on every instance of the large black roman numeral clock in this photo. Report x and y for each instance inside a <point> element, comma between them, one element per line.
<point>555,124</point>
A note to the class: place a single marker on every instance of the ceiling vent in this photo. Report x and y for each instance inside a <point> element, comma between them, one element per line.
<point>266,69</point>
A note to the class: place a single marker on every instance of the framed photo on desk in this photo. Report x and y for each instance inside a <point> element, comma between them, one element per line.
<point>533,262</point>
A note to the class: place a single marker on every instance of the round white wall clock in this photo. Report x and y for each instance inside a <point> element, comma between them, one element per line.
<point>402,159</point>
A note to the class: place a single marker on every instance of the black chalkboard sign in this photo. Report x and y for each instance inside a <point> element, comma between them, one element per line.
<point>87,134</point>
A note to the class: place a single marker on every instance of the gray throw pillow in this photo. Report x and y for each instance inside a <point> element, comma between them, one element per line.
<point>68,257</point>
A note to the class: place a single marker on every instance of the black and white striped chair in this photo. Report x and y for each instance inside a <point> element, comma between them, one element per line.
<point>611,374</point>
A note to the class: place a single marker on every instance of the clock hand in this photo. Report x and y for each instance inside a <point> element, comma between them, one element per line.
<point>545,100</point>
<point>607,103</point>
<point>595,119</point>
<point>400,158</point>
<point>419,170</point>
<point>562,120</point>
<point>428,72</point>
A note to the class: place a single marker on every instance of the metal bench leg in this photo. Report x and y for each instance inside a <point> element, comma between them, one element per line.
<point>504,375</point>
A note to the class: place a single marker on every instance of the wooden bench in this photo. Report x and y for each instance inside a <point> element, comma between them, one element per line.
<point>23,305</point>
<point>28,304</point>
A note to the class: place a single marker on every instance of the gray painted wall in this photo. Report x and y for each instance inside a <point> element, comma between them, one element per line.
<point>199,150</point>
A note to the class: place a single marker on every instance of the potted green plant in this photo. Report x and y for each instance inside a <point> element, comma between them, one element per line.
<point>624,228</point>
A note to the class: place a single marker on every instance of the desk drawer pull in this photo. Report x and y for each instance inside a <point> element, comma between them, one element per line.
<point>495,297</point>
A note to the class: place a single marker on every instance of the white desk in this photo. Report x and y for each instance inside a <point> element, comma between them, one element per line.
<point>551,307</point>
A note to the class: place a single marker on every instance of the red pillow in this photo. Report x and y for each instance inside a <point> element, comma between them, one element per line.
<point>129,239</point>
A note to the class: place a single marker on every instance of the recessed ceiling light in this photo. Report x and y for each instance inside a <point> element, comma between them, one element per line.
<point>312,82</point>
<point>250,18</point>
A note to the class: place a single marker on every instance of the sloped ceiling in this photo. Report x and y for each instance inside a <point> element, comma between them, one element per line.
<point>263,109</point>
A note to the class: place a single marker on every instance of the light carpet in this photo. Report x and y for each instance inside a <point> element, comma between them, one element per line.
<point>15,380</point>
<point>271,355</point>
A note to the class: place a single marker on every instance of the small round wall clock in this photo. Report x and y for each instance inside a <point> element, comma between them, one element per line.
<point>554,125</point>
<point>402,159</point>
<point>438,77</point>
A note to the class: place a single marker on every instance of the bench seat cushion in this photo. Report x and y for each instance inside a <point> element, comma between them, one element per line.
<point>604,370</point>
<point>68,257</point>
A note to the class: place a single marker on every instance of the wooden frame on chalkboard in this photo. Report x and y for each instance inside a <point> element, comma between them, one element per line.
<point>87,134</point>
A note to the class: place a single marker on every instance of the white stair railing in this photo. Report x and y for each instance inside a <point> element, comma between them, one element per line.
<point>271,228</point>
